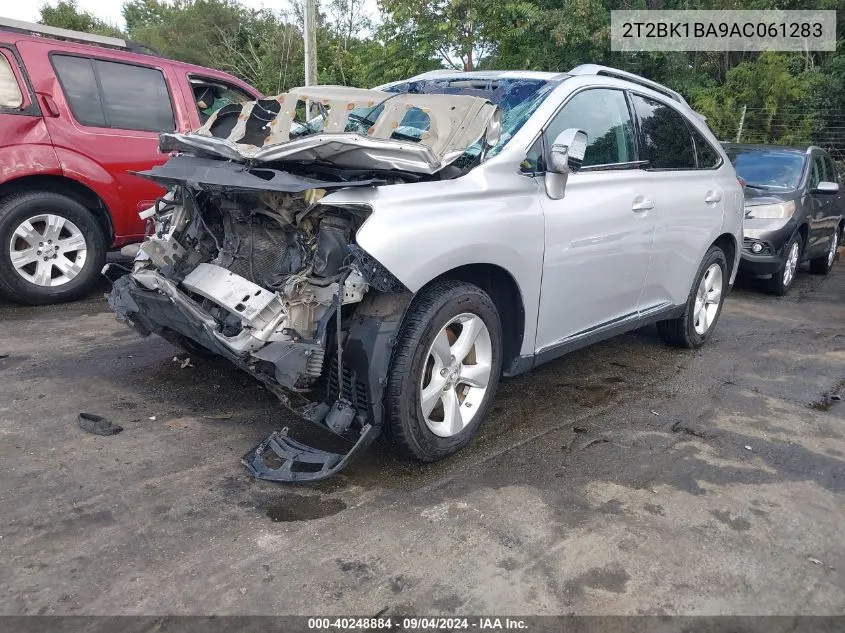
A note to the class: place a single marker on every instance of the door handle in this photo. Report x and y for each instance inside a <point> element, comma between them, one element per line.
<point>712,197</point>
<point>48,105</point>
<point>642,204</point>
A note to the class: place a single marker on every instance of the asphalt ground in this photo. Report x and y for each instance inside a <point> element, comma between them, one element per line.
<point>627,478</point>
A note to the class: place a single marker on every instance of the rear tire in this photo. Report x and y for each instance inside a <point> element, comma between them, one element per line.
<point>703,306</point>
<point>430,365</point>
<point>51,248</point>
<point>824,264</point>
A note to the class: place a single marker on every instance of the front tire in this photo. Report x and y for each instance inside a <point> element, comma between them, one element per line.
<point>444,371</point>
<point>51,248</point>
<point>703,306</point>
<point>824,264</point>
<point>781,281</point>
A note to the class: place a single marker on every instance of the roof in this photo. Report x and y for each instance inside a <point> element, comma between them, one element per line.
<point>457,75</point>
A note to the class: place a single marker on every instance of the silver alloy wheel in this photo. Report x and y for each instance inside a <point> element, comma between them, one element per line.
<point>48,250</point>
<point>707,299</point>
<point>834,244</point>
<point>791,264</point>
<point>456,375</point>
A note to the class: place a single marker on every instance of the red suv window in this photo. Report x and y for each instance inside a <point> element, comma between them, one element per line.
<point>11,95</point>
<point>116,95</point>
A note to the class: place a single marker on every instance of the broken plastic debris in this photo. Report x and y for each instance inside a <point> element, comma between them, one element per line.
<point>183,363</point>
<point>152,417</point>
<point>653,412</point>
<point>815,561</point>
<point>97,424</point>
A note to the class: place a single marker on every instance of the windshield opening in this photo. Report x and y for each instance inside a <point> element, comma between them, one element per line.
<point>518,99</point>
<point>768,169</point>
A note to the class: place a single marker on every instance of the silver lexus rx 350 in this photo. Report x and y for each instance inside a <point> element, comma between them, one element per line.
<point>379,259</point>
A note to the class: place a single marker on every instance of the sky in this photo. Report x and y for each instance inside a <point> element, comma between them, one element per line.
<point>110,10</point>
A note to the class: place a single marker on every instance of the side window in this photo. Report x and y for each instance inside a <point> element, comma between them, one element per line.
<point>113,94</point>
<point>666,139</point>
<point>76,74</point>
<point>10,92</point>
<point>830,170</point>
<point>135,97</point>
<point>603,115</point>
<point>816,171</point>
<point>705,156</point>
<point>212,95</point>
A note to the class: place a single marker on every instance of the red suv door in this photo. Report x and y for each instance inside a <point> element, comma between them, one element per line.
<point>104,118</point>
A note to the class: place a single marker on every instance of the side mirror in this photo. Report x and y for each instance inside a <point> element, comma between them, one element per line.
<point>565,156</point>
<point>826,187</point>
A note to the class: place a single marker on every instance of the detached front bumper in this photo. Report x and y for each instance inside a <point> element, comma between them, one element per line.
<point>164,310</point>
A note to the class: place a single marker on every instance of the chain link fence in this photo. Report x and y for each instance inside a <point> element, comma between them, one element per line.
<point>797,127</point>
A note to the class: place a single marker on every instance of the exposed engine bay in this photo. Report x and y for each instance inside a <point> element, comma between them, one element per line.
<point>243,259</point>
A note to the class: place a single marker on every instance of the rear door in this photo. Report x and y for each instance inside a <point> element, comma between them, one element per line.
<point>25,147</point>
<point>688,199</point>
<point>109,113</point>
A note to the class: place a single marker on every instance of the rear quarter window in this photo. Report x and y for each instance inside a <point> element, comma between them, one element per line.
<point>705,155</point>
<point>10,92</point>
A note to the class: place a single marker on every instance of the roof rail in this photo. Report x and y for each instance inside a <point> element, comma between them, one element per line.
<point>31,28</point>
<point>596,69</point>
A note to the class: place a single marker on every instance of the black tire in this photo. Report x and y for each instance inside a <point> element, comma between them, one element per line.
<point>776,285</point>
<point>680,332</point>
<point>824,264</point>
<point>431,310</point>
<point>17,208</point>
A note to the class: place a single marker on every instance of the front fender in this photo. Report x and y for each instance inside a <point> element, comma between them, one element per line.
<point>419,231</point>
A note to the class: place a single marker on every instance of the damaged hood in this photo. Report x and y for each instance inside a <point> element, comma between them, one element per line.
<point>357,129</point>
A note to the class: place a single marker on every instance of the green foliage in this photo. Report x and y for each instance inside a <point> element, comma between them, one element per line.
<point>66,15</point>
<point>781,100</point>
<point>790,98</point>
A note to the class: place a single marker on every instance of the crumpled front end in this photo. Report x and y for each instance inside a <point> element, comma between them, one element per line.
<point>259,276</point>
<point>243,260</point>
<point>352,129</point>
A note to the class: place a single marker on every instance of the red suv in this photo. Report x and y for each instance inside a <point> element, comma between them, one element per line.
<point>75,120</point>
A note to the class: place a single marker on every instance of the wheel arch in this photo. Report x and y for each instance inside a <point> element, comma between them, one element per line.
<point>804,232</point>
<point>727,242</point>
<point>507,296</point>
<point>69,187</point>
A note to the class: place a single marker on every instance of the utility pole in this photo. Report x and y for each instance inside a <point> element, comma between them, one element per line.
<point>310,37</point>
<point>741,123</point>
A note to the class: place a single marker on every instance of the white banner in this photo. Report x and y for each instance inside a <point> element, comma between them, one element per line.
<point>723,30</point>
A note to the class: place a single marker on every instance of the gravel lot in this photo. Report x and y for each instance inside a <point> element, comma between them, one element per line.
<point>627,478</point>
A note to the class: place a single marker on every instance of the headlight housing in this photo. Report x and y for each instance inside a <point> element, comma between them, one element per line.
<point>777,211</point>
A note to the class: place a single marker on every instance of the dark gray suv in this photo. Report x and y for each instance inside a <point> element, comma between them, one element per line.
<point>794,210</point>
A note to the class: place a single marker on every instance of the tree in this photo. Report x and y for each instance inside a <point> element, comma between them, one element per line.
<point>460,33</point>
<point>66,15</point>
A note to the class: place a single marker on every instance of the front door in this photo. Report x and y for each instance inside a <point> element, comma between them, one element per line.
<point>599,236</point>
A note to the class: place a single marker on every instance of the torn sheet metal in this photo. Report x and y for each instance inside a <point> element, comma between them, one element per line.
<point>204,172</point>
<point>260,131</point>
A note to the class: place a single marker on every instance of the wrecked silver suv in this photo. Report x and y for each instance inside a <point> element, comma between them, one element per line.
<point>380,265</point>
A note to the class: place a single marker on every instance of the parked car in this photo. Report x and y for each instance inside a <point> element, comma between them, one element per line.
<point>794,211</point>
<point>78,114</point>
<point>381,270</point>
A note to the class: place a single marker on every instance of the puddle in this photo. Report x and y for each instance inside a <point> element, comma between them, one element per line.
<point>290,507</point>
